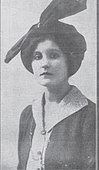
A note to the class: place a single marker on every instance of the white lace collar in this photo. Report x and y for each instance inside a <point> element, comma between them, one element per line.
<point>70,104</point>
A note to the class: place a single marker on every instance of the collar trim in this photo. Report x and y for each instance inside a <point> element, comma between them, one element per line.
<point>71,103</point>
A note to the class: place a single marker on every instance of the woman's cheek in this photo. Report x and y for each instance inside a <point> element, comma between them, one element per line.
<point>55,64</point>
<point>35,68</point>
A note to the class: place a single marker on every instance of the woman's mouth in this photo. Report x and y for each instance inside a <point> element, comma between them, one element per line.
<point>45,73</point>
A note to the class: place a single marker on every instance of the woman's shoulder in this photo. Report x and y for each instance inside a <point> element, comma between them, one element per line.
<point>27,121</point>
<point>91,109</point>
<point>91,104</point>
<point>26,115</point>
<point>88,112</point>
<point>88,118</point>
<point>27,111</point>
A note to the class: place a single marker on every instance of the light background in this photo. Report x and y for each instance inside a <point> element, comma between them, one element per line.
<point>18,86</point>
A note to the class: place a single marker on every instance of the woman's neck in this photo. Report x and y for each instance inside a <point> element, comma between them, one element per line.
<point>57,93</point>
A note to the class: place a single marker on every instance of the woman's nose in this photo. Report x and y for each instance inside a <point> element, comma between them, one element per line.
<point>45,62</point>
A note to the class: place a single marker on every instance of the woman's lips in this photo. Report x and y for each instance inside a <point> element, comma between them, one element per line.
<point>45,73</point>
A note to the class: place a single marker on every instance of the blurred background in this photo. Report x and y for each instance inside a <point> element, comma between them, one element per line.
<point>18,87</point>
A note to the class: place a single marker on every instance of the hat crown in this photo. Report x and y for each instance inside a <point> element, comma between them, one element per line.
<point>56,10</point>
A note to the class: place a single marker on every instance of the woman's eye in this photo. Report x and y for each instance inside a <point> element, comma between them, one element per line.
<point>54,55</point>
<point>37,56</point>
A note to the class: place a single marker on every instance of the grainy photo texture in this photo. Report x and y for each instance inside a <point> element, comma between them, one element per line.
<point>48,85</point>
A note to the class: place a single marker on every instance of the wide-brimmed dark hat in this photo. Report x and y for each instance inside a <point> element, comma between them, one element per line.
<point>66,36</point>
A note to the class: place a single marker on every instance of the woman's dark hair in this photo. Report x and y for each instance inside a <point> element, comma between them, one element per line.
<point>68,44</point>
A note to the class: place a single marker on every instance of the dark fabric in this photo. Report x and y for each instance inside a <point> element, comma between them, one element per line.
<point>26,130</point>
<point>57,9</point>
<point>72,141</point>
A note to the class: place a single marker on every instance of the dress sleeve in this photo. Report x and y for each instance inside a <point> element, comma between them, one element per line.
<point>89,135</point>
<point>26,129</point>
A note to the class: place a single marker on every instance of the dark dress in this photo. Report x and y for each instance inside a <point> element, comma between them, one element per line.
<point>72,142</point>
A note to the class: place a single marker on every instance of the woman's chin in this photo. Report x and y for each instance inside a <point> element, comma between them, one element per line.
<point>45,82</point>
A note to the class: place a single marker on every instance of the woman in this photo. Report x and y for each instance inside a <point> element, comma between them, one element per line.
<point>58,130</point>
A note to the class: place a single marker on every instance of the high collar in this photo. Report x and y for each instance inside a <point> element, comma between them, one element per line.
<point>71,103</point>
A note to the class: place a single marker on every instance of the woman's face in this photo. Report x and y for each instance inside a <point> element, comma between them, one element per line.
<point>49,64</point>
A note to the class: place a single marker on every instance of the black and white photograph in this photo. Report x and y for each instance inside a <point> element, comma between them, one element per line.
<point>49,85</point>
